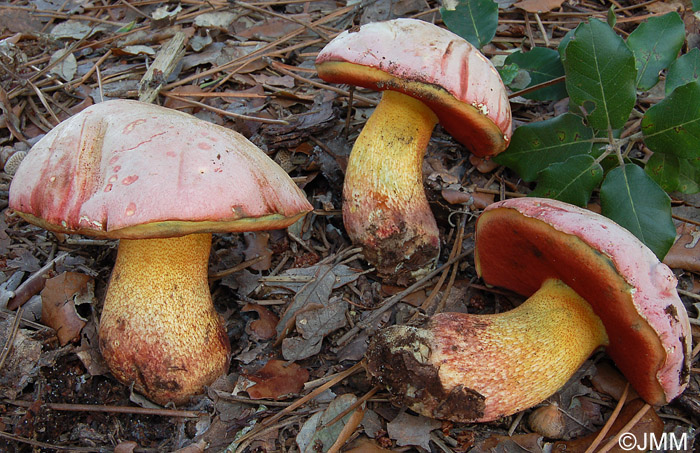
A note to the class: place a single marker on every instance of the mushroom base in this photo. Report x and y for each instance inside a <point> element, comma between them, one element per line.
<point>478,368</point>
<point>159,330</point>
<point>385,209</point>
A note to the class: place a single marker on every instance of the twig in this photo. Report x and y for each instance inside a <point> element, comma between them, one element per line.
<point>393,300</point>
<point>157,74</point>
<point>301,401</point>
<point>604,430</point>
<point>36,443</point>
<point>110,409</point>
<point>11,337</point>
<point>612,442</point>
<point>227,113</point>
<point>234,269</point>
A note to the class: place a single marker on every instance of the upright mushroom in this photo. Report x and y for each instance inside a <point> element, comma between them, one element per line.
<point>162,182</point>
<point>590,283</point>
<point>427,75</point>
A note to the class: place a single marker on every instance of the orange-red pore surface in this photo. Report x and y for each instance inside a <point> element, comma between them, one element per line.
<point>520,243</point>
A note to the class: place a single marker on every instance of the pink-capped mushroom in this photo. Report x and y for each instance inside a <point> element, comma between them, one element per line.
<point>427,75</point>
<point>590,284</point>
<point>162,182</point>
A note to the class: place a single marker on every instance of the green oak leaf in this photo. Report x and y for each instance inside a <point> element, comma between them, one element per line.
<point>508,72</point>
<point>655,44</point>
<point>673,125</point>
<point>473,20</point>
<point>543,64</point>
<point>600,75</point>
<point>571,181</point>
<point>664,169</point>
<point>632,199</point>
<point>536,146</point>
<point>683,70</point>
<point>689,175</point>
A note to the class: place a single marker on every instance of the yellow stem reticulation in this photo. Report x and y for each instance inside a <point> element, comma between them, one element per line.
<point>159,329</point>
<point>384,205</point>
<point>467,368</point>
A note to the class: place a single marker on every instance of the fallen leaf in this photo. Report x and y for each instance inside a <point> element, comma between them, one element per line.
<point>685,252</point>
<point>315,436</point>
<point>67,67</point>
<point>219,19</point>
<point>518,443</point>
<point>649,423</point>
<point>59,298</point>
<point>277,380</point>
<point>256,246</point>
<point>264,327</point>
<point>73,29</point>
<point>272,28</point>
<point>539,6</point>
<point>407,429</point>
<point>22,364</point>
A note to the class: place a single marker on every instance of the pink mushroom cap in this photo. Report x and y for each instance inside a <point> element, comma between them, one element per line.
<point>522,242</point>
<point>126,169</point>
<point>429,63</point>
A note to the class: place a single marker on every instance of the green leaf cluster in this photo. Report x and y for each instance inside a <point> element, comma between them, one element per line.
<point>574,154</point>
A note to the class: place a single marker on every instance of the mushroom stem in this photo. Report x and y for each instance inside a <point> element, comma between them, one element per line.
<point>159,329</point>
<point>469,368</point>
<point>384,205</point>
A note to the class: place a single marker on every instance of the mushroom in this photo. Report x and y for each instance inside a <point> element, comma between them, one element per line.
<point>427,75</point>
<point>590,283</point>
<point>162,182</point>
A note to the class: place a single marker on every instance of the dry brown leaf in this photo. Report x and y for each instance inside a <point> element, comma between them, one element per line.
<point>256,246</point>
<point>58,304</point>
<point>264,327</point>
<point>277,379</point>
<point>498,443</point>
<point>685,252</point>
<point>539,6</point>
<point>22,363</point>
<point>649,423</point>
<point>410,430</point>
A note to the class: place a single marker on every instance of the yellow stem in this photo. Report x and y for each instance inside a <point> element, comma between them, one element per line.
<point>159,328</point>
<point>489,366</point>
<point>384,204</point>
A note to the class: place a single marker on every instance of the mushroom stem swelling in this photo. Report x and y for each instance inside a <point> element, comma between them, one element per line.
<point>469,368</point>
<point>159,328</point>
<point>384,205</point>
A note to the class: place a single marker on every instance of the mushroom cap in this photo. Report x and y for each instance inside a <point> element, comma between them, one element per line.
<point>429,63</point>
<point>522,242</point>
<point>126,169</point>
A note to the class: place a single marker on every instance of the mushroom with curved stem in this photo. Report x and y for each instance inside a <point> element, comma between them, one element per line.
<point>590,284</point>
<point>162,182</point>
<point>427,75</point>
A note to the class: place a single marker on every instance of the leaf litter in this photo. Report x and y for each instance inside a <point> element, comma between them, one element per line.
<point>285,312</point>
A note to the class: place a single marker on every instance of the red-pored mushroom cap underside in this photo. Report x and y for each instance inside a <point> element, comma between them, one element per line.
<point>432,64</point>
<point>126,169</point>
<point>522,242</point>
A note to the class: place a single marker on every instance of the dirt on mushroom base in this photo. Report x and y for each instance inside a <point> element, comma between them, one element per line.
<point>403,367</point>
